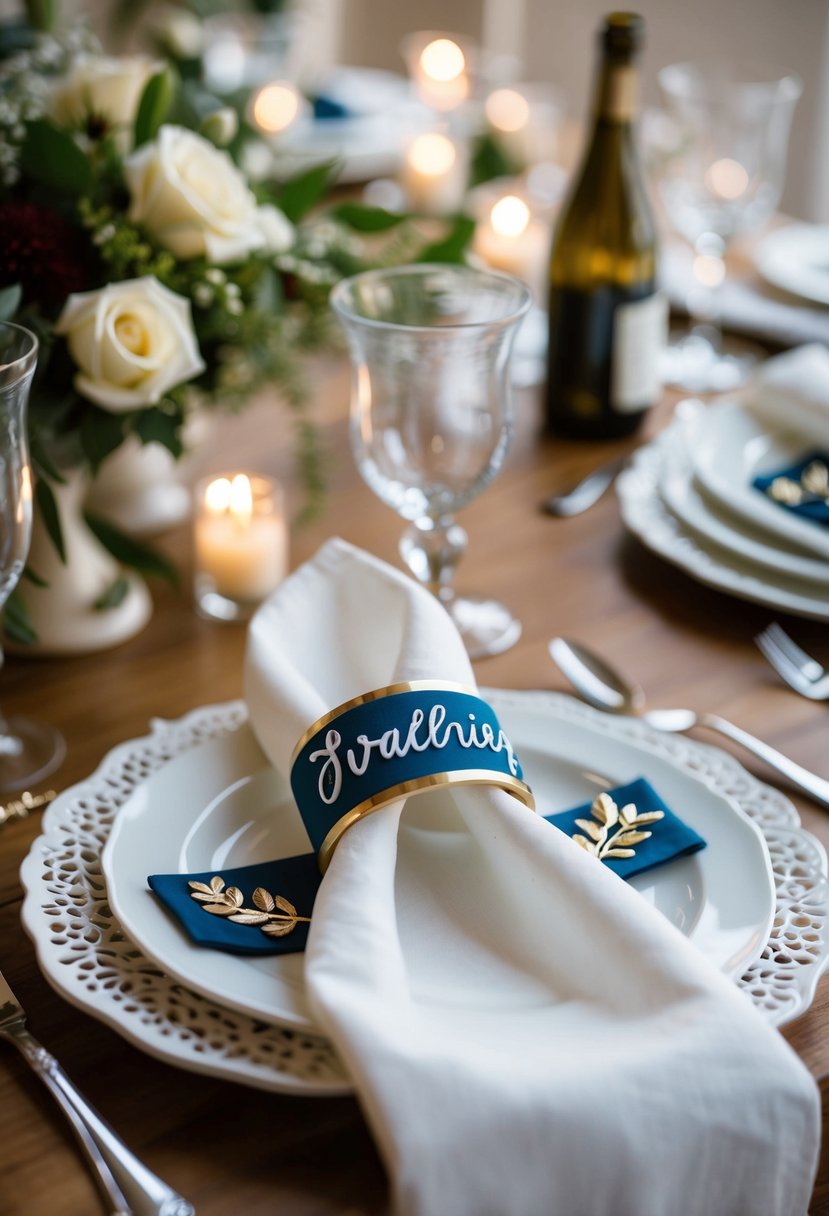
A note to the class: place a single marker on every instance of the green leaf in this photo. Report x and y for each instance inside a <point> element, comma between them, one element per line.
<point>17,624</point>
<point>130,551</point>
<point>101,433</point>
<point>48,507</point>
<point>41,14</point>
<point>367,219</point>
<point>453,246</point>
<point>114,595</point>
<point>10,298</point>
<point>154,106</point>
<point>155,426</point>
<point>43,463</point>
<point>490,161</point>
<point>34,579</point>
<point>299,194</point>
<point>52,158</point>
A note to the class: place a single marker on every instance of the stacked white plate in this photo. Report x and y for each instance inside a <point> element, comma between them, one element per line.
<point>689,497</point>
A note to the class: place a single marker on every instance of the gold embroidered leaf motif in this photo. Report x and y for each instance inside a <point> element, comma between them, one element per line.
<point>279,928</point>
<point>605,810</point>
<point>592,829</point>
<point>229,903</point>
<point>628,839</point>
<point>784,490</point>
<point>600,843</point>
<point>815,478</point>
<point>263,899</point>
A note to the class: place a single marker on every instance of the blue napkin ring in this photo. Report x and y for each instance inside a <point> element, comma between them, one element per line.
<point>392,743</point>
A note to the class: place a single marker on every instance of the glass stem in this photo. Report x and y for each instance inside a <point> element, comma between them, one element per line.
<point>705,294</point>
<point>432,548</point>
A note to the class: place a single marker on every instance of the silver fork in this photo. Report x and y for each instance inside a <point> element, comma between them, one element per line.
<point>800,671</point>
<point>125,1182</point>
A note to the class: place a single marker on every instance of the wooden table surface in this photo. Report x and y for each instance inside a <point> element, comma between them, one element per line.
<point>230,1149</point>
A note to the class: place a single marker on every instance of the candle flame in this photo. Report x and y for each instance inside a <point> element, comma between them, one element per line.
<point>442,60</point>
<point>217,496</point>
<point>241,498</point>
<point>510,216</point>
<point>727,178</point>
<point>507,110</point>
<point>276,106</point>
<point>432,154</point>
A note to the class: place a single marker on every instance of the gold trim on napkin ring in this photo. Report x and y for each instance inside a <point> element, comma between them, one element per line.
<point>419,785</point>
<point>374,695</point>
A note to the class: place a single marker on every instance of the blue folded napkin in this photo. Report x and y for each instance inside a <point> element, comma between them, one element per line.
<point>817,511</point>
<point>277,892</point>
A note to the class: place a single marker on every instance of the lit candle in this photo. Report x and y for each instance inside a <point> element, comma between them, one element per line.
<point>524,122</point>
<point>438,69</point>
<point>511,240</point>
<point>434,174</point>
<point>241,543</point>
<point>276,106</point>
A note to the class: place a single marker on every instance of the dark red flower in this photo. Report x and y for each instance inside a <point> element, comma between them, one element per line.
<point>43,252</point>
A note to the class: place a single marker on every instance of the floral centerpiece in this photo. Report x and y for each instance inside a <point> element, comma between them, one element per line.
<point>156,275</point>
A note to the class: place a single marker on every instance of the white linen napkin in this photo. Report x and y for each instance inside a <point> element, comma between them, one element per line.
<point>526,1035</point>
<point>791,393</point>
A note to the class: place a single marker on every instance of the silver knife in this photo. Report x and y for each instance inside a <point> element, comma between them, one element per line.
<point>129,1187</point>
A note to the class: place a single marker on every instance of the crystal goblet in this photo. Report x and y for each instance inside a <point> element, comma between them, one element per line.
<point>431,412</point>
<point>29,750</point>
<point>724,177</point>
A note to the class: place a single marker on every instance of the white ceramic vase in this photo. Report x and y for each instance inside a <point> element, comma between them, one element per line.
<point>63,613</point>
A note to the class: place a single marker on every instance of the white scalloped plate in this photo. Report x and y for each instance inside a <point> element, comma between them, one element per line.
<point>648,517</point>
<point>86,955</point>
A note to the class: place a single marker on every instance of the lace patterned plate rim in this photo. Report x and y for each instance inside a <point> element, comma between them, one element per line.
<point>222,804</point>
<point>647,516</point>
<point>89,961</point>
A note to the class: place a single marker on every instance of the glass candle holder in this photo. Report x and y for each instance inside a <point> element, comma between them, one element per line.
<point>241,544</point>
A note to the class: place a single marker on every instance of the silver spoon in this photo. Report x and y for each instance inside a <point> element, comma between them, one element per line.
<point>606,689</point>
<point>587,491</point>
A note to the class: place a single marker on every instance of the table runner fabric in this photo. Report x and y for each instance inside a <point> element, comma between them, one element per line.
<point>525,1034</point>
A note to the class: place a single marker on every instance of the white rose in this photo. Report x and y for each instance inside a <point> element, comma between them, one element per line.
<point>192,198</point>
<point>132,342</point>
<point>104,86</point>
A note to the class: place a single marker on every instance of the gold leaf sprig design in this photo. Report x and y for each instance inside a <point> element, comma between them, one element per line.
<point>273,914</point>
<point>812,487</point>
<point>597,838</point>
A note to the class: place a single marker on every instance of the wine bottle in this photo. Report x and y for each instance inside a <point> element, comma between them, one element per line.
<point>607,320</point>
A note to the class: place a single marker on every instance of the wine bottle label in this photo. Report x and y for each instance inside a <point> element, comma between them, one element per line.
<point>639,334</point>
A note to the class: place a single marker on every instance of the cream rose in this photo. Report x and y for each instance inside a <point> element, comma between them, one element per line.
<point>104,86</point>
<point>192,198</point>
<point>132,342</point>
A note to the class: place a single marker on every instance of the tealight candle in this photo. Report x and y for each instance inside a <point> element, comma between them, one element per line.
<point>434,174</point>
<point>511,240</point>
<point>438,69</point>
<point>276,106</point>
<point>524,122</point>
<point>241,544</point>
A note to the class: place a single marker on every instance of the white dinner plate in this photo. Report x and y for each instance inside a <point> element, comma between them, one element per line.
<point>728,532</point>
<point>86,955</point>
<point>648,517</point>
<point>222,805</point>
<point>796,259</point>
<point>731,448</point>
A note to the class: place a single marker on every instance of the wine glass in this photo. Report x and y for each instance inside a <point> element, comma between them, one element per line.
<point>724,176</point>
<point>431,412</point>
<point>28,750</point>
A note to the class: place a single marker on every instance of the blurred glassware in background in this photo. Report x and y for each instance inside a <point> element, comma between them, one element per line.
<point>722,176</point>
<point>29,750</point>
<point>431,412</point>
